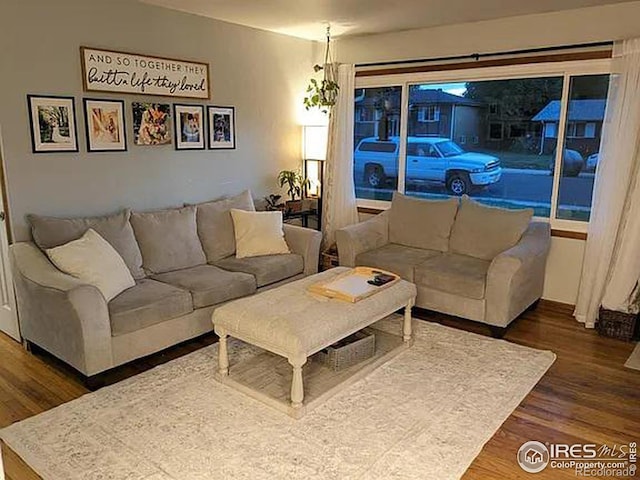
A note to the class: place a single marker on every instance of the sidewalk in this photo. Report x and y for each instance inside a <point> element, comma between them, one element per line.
<point>528,171</point>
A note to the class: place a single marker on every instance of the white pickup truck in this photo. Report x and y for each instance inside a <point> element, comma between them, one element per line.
<point>433,159</point>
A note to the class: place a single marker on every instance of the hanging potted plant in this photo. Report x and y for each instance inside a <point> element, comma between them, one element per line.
<point>295,183</point>
<point>323,93</point>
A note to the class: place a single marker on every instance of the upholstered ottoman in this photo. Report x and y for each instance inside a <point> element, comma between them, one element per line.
<point>294,323</point>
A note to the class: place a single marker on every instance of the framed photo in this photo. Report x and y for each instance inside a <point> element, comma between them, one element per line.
<point>222,128</point>
<point>105,125</point>
<point>151,123</point>
<point>53,124</point>
<point>189,124</point>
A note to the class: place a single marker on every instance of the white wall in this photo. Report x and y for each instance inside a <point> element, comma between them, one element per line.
<point>594,24</point>
<point>564,267</point>
<point>262,74</point>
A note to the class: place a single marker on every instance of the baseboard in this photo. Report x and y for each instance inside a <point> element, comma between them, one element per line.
<point>555,303</point>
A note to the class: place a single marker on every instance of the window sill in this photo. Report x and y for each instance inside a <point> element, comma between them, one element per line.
<point>574,235</point>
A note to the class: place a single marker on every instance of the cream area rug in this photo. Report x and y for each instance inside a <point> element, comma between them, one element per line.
<point>634,359</point>
<point>424,415</point>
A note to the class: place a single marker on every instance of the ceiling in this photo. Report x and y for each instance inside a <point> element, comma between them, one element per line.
<point>308,19</point>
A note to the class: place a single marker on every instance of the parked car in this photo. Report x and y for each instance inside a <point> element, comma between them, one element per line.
<point>572,163</point>
<point>592,161</point>
<point>434,159</point>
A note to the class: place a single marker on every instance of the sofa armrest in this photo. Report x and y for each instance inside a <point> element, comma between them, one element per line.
<point>516,276</point>
<point>362,237</point>
<point>58,312</point>
<point>305,242</point>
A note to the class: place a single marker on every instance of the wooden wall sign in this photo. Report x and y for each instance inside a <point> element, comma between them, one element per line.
<point>121,72</point>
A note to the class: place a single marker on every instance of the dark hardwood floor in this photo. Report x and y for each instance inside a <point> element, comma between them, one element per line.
<point>586,397</point>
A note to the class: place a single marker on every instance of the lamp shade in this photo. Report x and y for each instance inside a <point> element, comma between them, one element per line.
<point>315,142</point>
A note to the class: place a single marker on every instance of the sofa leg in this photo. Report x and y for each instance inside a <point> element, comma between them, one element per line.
<point>94,382</point>
<point>497,332</point>
<point>26,344</point>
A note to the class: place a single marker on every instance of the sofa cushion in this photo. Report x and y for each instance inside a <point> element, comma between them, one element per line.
<point>455,274</point>
<point>146,304</point>
<point>215,226</point>
<point>50,232</point>
<point>484,232</point>
<point>210,285</point>
<point>267,269</point>
<point>421,223</point>
<point>395,258</point>
<point>258,233</point>
<point>93,260</point>
<point>168,239</point>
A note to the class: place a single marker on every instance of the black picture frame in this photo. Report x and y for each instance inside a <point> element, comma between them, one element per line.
<point>46,112</point>
<point>222,131</point>
<point>92,144</point>
<point>182,141</point>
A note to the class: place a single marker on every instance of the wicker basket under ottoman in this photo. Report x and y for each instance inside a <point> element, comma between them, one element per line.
<point>616,324</point>
<point>348,351</point>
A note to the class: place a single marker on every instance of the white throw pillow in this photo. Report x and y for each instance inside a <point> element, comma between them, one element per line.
<point>258,233</point>
<point>94,261</point>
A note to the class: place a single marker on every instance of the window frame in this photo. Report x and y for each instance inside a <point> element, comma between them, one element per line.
<point>564,69</point>
<point>424,118</point>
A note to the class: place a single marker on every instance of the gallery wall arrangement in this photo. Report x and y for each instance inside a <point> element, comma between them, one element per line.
<point>53,118</point>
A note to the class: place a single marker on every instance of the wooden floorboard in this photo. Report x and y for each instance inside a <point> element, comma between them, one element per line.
<point>587,396</point>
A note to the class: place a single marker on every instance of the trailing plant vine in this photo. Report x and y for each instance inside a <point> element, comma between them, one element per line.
<point>323,93</point>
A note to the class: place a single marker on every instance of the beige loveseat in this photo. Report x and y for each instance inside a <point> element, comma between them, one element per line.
<point>469,260</point>
<point>183,261</point>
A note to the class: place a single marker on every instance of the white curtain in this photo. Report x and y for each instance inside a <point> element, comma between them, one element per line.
<point>612,256</point>
<point>339,198</point>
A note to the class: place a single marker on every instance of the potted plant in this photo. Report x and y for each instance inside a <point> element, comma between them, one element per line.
<point>324,93</point>
<point>295,183</point>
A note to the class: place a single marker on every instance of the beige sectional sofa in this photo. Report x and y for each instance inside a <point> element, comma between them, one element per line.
<point>184,265</point>
<point>469,260</point>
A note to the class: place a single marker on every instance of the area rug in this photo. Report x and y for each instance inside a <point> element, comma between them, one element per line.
<point>634,359</point>
<point>424,415</point>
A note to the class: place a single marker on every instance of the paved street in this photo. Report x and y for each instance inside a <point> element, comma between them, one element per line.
<point>520,187</point>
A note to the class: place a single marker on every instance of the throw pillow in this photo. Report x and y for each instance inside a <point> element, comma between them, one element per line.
<point>258,233</point>
<point>483,232</point>
<point>168,239</point>
<point>421,223</point>
<point>215,227</point>
<point>49,232</point>
<point>94,261</point>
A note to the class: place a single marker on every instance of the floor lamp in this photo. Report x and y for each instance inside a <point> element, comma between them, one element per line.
<point>315,153</point>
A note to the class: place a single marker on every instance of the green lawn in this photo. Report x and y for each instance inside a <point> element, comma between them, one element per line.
<point>529,161</point>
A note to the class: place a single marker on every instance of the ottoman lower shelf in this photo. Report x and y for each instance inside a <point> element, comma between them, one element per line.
<point>267,376</point>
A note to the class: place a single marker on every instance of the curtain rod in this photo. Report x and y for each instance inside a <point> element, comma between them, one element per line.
<point>478,56</point>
